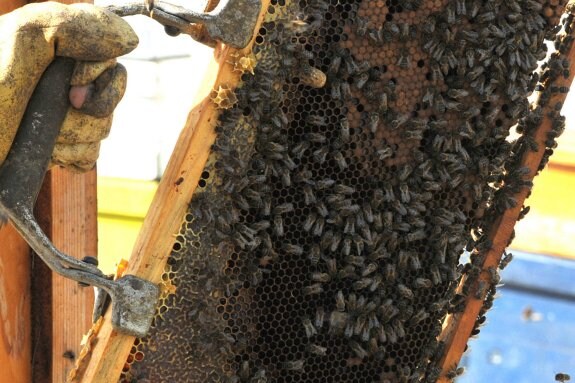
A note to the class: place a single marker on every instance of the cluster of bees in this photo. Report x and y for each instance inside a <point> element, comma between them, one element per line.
<point>323,243</point>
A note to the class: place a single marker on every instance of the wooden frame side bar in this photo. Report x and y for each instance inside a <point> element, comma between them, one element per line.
<point>108,350</point>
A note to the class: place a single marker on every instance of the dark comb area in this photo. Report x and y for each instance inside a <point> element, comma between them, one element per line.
<point>323,242</point>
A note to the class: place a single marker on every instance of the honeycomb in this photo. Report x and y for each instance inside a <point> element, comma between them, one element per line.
<point>323,241</point>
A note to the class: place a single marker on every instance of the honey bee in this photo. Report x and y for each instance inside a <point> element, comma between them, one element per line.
<point>405,292</point>
<point>320,155</point>
<point>316,349</point>
<point>358,350</point>
<point>422,283</point>
<point>345,90</point>
<point>404,59</point>
<point>337,322</point>
<point>507,258</point>
<point>562,377</point>
<point>309,328</point>
<point>369,269</point>
<point>481,290</point>
<point>454,372</point>
<point>384,153</point>
<point>300,149</point>
<point>296,365</point>
<point>340,160</point>
<point>314,289</point>
<point>309,195</point>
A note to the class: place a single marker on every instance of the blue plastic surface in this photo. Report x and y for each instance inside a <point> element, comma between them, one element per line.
<point>529,335</point>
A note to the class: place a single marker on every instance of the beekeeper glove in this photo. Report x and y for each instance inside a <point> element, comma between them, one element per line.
<point>30,38</point>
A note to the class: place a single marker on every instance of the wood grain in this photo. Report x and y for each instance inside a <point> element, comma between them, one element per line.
<point>10,5</point>
<point>458,327</point>
<point>168,208</point>
<point>15,335</point>
<point>74,232</point>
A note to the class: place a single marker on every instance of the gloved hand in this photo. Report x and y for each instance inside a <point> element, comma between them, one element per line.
<point>30,38</point>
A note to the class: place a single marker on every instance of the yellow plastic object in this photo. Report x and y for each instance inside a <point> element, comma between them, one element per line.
<point>549,228</point>
<point>122,206</point>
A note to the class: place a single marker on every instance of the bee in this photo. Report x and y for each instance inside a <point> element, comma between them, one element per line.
<point>335,89</point>
<point>346,246</point>
<point>299,150</point>
<point>404,193</point>
<point>392,28</point>
<point>416,235</point>
<point>344,189</point>
<point>340,160</point>
<point>399,207</point>
<point>405,292</point>
<point>335,63</point>
<point>283,208</point>
<point>314,289</point>
<point>296,365</point>
<point>435,275</point>
<point>309,328</point>
<point>358,350</point>
<point>384,153</point>
<point>317,138</point>
<point>344,129</point>
<point>349,227</point>
<point>360,80</point>
<point>494,277</point>
<point>326,183</point>
<point>369,269</point>
<point>309,196</point>
<point>316,120</point>
<point>320,155</point>
<point>345,90</point>
<point>319,317</point>
<point>482,287</point>
<point>431,186</point>
<point>421,315</point>
<point>523,212</point>
<point>404,59</point>
<point>318,228</point>
<point>454,372</point>
<point>373,121</point>
<point>309,222</point>
<point>363,283</point>
<point>321,277</point>
<point>438,306</point>
<point>399,122</point>
<point>562,377</point>
<point>391,334</point>
<point>507,258</point>
<point>337,321</point>
<point>382,103</point>
<point>316,349</point>
<point>331,240</point>
<point>361,26</point>
<point>423,283</point>
<point>340,301</point>
<point>404,32</point>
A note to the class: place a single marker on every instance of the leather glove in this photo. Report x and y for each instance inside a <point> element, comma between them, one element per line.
<point>30,38</point>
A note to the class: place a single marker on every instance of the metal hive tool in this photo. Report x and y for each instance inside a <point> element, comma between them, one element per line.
<point>323,242</point>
